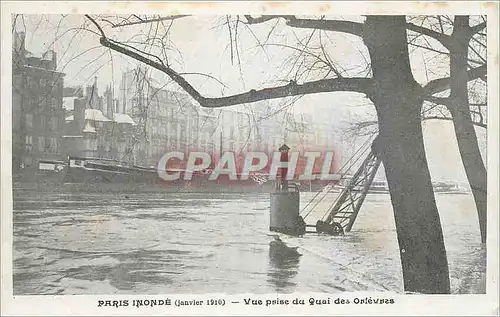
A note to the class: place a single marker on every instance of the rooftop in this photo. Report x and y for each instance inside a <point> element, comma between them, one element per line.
<point>69,103</point>
<point>97,115</point>
<point>43,69</point>
<point>89,128</point>
<point>123,118</point>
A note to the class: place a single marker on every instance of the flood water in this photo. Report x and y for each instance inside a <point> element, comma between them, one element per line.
<point>69,243</point>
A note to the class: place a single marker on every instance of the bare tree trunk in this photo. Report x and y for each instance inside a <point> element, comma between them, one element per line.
<point>464,128</point>
<point>398,100</point>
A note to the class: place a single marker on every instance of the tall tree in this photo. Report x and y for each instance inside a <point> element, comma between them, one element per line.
<point>458,106</point>
<point>458,43</point>
<point>398,99</point>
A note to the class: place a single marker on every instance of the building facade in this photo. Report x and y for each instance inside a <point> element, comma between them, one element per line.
<point>37,106</point>
<point>145,122</point>
<point>94,129</point>
<point>166,120</point>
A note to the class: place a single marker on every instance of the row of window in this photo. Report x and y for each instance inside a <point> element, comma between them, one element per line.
<point>50,122</point>
<point>157,110</point>
<point>168,130</point>
<point>100,145</point>
<point>37,99</point>
<point>45,144</point>
<point>44,82</point>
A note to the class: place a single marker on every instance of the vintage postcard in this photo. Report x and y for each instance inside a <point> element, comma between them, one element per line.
<point>249,158</point>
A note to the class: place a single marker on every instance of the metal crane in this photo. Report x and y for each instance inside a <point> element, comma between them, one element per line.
<point>342,213</point>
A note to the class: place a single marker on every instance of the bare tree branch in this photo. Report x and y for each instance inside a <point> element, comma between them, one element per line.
<point>478,124</point>
<point>478,28</point>
<point>364,128</point>
<point>442,84</point>
<point>350,27</point>
<point>96,24</point>
<point>261,19</point>
<point>142,21</point>
<point>442,38</point>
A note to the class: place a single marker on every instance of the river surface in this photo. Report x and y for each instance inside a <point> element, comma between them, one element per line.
<point>80,243</point>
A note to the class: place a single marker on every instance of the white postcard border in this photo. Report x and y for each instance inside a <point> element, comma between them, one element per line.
<point>403,304</point>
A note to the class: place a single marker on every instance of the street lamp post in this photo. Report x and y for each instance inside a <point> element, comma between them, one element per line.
<point>284,149</point>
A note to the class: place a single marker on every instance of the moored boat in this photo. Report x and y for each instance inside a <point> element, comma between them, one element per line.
<point>78,174</point>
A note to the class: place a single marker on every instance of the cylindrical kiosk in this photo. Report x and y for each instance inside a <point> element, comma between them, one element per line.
<point>285,204</point>
<point>285,213</point>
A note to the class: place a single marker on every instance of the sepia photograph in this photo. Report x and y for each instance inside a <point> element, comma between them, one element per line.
<point>269,152</point>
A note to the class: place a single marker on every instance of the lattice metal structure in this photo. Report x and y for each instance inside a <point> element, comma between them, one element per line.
<point>346,207</point>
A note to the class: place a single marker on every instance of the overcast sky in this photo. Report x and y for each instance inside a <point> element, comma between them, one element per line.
<point>202,45</point>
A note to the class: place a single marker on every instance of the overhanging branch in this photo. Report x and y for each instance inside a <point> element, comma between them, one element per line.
<point>362,85</point>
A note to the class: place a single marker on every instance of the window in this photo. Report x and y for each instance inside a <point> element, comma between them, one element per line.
<point>41,144</point>
<point>29,120</point>
<point>182,134</point>
<point>43,122</point>
<point>28,143</point>
<point>51,145</point>
<point>32,84</point>
<point>53,123</point>
<point>48,144</point>
<point>101,151</point>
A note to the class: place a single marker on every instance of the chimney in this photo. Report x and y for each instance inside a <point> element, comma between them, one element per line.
<point>96,91</point>
<point>79,114</point>
<point>109,102</point>
<point>88,96</point>
<point>54,60</point>
<point>100,102</point>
